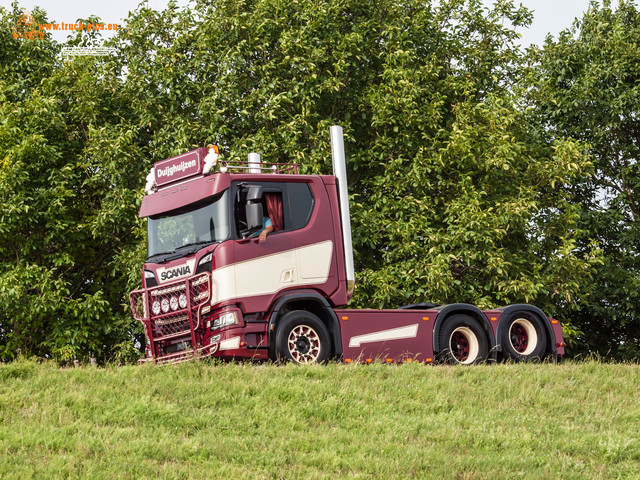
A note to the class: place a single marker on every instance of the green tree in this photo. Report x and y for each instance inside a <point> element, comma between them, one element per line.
<point>69,185</point>
<point>587,86</point>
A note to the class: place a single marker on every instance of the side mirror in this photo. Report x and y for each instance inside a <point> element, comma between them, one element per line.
<point>254,193</point>
<point>255,217</point>
<point>253,208</point>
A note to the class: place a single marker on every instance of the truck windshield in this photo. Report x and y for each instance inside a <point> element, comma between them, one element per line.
<point>184,231</point>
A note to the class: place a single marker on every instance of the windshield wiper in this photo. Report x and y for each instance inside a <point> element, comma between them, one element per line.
<point>169,256</point>
<point>181,251</point>
<point>195,244</point>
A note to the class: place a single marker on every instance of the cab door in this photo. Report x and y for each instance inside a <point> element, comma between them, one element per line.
<point>262,270</point>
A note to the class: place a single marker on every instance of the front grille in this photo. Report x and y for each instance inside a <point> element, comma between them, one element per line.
<point>170,310</point>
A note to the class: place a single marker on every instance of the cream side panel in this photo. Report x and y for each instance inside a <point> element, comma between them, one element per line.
<point>410,331</point>
<point>266,275</point>
<point>223,284</point>
<point>263,275</point>
<point>314,261</point>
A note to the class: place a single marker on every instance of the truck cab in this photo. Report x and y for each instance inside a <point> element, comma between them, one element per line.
<point>210,285</point>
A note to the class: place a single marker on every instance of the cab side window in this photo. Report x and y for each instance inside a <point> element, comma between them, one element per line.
<point>300,205</point>
<point>288,206</point>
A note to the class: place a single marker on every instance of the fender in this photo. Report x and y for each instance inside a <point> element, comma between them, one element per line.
<point>311,297</point>
<point>464,308</point>
<point>507,313</point>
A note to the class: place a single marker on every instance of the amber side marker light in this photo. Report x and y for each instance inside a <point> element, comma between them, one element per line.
<point>347,360</point>
<point>555,322</point>
<point>426,319</point>
<point>409,360</point>
<point>344,319</point>
<point>369,360</point>
<point>429,360</point>
<point>494,319</point>
<point>389,360</point>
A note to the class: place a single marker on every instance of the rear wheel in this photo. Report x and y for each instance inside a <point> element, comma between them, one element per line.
<point>302,338</point>
<point>462,340</point>
<point>524,337</point>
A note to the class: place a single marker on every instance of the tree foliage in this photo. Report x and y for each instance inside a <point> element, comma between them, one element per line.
<point>458,193</point>
<point>587,86</point>
<point>69,185</point>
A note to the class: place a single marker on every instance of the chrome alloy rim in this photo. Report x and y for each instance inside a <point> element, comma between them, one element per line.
<point>304,344</point>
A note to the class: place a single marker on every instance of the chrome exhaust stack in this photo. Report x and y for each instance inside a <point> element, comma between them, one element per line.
<point>340,172</point>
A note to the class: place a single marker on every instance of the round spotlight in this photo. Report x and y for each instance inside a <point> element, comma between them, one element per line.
<point>182,301</point>
<point>174,303</point>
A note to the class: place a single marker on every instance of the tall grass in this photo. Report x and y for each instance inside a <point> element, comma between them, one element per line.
<point>199,420</point>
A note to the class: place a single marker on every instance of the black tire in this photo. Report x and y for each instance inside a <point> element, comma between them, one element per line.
<point>524,338</point>
<point>463,341</point>
<point>301,337</point>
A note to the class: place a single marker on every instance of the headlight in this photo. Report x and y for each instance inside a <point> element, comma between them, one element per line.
<point>182,300</point>
<point>206,258</point>
<point>165,305</point>
<point>155,307</point>
<point>224,320</point>
<point>150,279</point>
<point>204,265</point>
<point>174,303</point>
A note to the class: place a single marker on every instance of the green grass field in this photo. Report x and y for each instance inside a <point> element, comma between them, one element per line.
<point>198,420</point>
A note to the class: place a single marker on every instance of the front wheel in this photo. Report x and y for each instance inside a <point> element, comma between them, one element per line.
<point>462,340</point>
<point>302,338</point>
<point>524,338</point>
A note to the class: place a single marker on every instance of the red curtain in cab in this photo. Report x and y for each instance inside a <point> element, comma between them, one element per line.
<point>274,210</point>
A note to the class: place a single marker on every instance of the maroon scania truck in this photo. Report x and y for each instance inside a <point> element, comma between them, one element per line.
<point>212,288</point>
